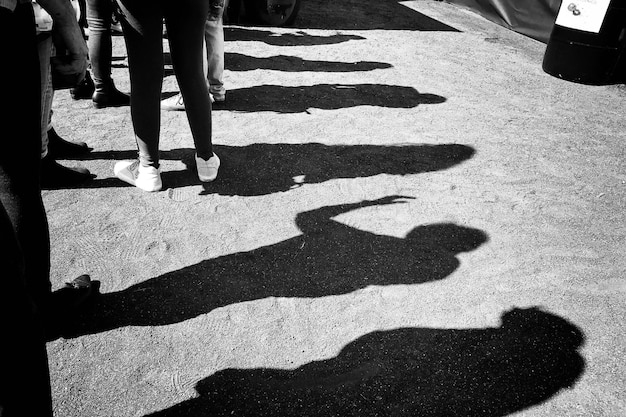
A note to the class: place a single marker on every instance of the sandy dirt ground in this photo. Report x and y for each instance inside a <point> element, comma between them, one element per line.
<point>412,218</point>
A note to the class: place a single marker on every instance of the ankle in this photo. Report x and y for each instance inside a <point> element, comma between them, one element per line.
<point>206,156</point>
<point>107,95</point>
<point>105,86</point>
<point>148,169</point>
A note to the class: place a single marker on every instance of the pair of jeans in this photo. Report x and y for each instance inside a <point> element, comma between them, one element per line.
<point>214,44</point>
<point>44,49</point>
<point>99,19</point>
<point>25,254</point>
<point>142,24</point>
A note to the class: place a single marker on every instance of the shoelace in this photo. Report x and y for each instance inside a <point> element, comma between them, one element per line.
<point>134,169</point>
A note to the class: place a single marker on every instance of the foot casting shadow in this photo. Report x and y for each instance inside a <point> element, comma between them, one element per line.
<point>329,258</point>
<point>409,372</point>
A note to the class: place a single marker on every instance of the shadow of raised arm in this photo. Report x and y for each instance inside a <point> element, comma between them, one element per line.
<point>328,259</point>
<point>320,219</point>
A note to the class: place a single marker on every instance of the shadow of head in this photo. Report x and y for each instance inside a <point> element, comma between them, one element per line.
<point>447,237</point>
<point>535,323</point>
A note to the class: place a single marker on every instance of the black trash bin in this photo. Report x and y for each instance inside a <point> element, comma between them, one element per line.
<point>588,42</point>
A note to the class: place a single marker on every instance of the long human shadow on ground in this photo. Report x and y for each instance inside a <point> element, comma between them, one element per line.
<point>285,63</point>
<point>274,38</point>
<point>240,62</point>
<point>406,372</point>
<point>281,99</point>
<point>263,168</point>
<point>365,15</point>
<point>328,258</point>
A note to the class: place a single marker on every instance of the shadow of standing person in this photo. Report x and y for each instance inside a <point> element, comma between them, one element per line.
<point>234,34</point>
<point>329,258</point>
<point>410,372</point>
<point>266,168</point>
<point>300,99</point>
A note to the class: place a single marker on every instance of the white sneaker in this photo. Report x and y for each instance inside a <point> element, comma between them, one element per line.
<point>219,96</point>
<point>145,178</point>
<point>176,102</point>
<point>173,103</point>
<point>116,27</point>
<point>207,170</point>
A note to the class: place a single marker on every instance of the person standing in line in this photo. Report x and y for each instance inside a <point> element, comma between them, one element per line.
<point>25,289</point>
<point>53,146</point>
<point>214,47</point>
<point>142,23</point>
<point>97,17</point>
<point>214,63</point>
<point>99,20</point>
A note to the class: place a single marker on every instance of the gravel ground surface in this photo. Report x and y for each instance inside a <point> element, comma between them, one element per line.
<point>411,219</point>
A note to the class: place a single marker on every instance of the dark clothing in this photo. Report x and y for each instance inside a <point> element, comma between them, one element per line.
<point>142,23</point>
<point>20,192</point>
<point>25,254</point>
<point>99,18</point>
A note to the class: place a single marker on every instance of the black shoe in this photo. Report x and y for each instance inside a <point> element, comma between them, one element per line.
<point>84,89</point>
<point>54,175</point>
<point>109,97</point>
<point>59,148</point>
<point>72,296</point>
<point>62,305</point>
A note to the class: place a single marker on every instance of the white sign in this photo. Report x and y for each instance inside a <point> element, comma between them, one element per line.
<point>585,15</point>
